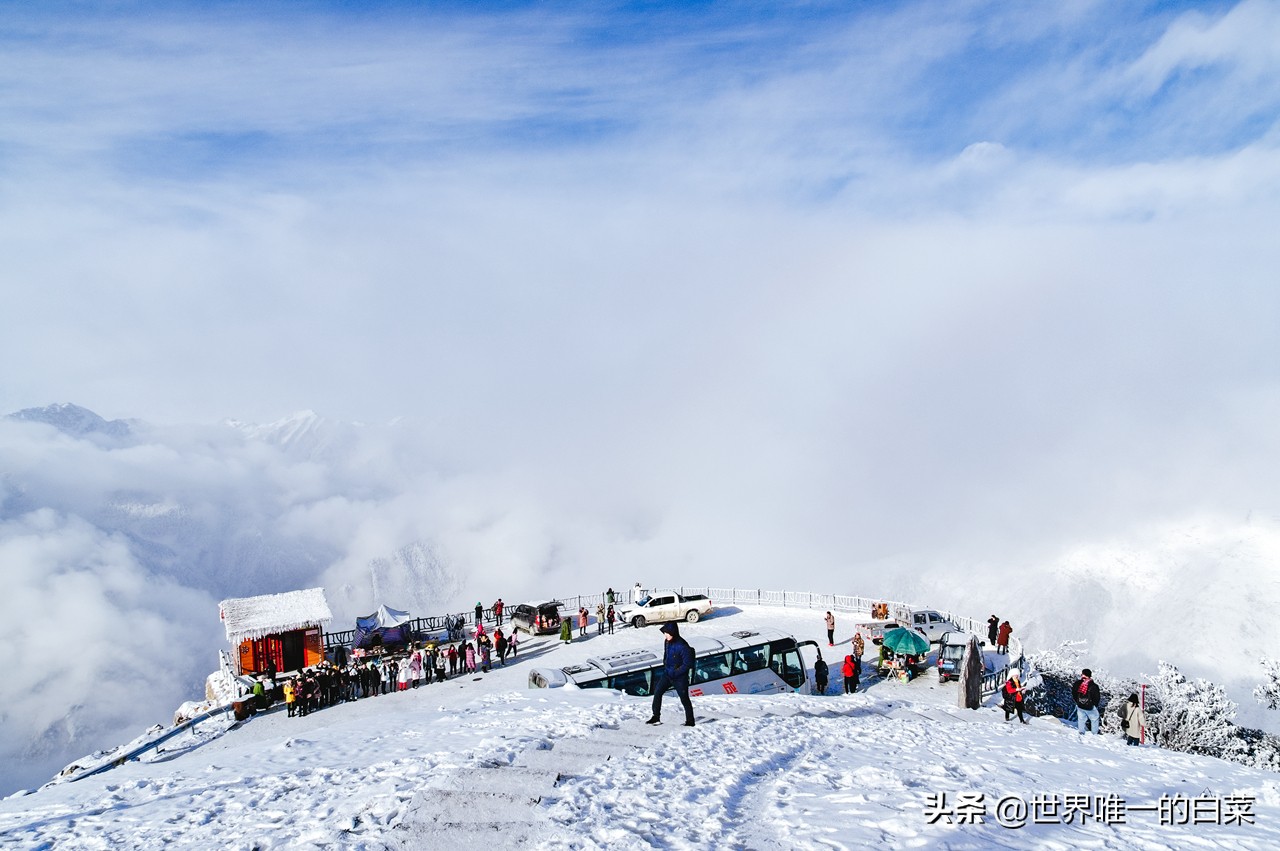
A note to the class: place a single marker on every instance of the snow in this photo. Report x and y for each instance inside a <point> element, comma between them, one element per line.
<point>477,762</point>
<point>255,617</point>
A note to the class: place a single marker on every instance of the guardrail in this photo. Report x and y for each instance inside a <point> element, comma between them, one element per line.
<point>153,744</point>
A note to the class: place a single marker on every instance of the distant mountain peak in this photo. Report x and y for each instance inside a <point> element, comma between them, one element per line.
<point>73,420</point>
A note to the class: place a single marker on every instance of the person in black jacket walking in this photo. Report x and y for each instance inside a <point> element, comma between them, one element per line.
<point>677,663</point>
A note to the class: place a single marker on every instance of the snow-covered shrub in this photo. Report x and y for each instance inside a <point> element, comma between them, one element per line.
<point>1268,694</point>
<point>1060,670</point>
<point>1196,716</point>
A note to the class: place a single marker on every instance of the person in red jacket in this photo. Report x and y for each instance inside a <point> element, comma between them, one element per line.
<point>851,674</point>
<point>1002,639</point>
<point>1013,695</point>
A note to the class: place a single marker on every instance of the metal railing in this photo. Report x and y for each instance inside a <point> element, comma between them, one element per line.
<point>153,744</point>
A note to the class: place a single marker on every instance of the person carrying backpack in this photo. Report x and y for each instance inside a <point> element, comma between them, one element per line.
<point>1086,696</point>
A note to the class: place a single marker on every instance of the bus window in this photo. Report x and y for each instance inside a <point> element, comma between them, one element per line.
<point>749,659</point>
<point>710,668</point>
<point>787,666</point>
<point>635,683</point>
<point>600,683</point>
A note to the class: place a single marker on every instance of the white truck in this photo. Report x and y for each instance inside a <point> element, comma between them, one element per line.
<point>661,606</point>
<point>928,622</point>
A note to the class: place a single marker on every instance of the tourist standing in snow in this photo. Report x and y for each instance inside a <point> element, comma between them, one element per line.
<point>820,676</point>
<point>612,616</point>
<point>858,647</point>
<point>1086,696</point>
<point>637,594</point>
<point>993,629</point>
<point>471,659</point>
<point>290,696</point>
<point>677,662</point>
<point>479,612</point>
<point>259,695</point>
<point>566,631</point>
<point>1132,720</point>
<point>500,645</point>
<point>608,597</point>
<point>831,629</point>
<point>600,619</point>
<point>583,617</point>
<point>1002,638</point>
<point>851,673</point>
<point>1012,693</point>
<point>512,642</point>
<point>486,658</point>
<point>497,611</point>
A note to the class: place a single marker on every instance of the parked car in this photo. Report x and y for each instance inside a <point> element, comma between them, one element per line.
<point>662,606</point>
<point>540,618</point>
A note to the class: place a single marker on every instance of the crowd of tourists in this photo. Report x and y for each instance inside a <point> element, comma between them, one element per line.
<point>421,664</point>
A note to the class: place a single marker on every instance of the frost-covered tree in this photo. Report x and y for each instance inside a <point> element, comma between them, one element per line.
<point>1268,694</point>
<point>1059,669</point>
<point>1196,716</point>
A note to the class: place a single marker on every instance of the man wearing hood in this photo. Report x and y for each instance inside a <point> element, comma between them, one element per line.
<point>677,662</point>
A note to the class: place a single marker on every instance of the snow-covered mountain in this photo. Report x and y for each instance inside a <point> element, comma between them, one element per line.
<point>482,760</point>
<point>74,420</point>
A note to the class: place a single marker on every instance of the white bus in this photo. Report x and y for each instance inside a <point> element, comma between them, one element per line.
<point>765,661</point>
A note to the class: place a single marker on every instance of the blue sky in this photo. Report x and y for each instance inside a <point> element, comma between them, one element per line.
<point>808,95</point>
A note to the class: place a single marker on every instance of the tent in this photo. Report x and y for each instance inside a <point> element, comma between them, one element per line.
<point>385,626</point>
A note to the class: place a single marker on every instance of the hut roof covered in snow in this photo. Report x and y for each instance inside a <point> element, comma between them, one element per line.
<point>253,617</point>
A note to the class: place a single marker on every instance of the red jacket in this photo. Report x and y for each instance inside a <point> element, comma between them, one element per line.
<point>1005,632</point>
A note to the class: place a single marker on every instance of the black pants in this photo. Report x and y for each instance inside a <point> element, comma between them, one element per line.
<point>1009,709</point>
<point>681,685</point>
<point>850,685</point>
<point>831,636</point>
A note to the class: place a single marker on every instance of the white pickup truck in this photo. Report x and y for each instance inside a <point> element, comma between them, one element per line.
<point>662,606</point>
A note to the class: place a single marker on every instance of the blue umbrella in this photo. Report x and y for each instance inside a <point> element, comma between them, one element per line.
<point>907,641</point>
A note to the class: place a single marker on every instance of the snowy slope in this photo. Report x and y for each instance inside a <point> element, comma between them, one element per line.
<point>483,762</point>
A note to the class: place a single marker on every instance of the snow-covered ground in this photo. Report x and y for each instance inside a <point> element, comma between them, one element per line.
<point>486,761</point>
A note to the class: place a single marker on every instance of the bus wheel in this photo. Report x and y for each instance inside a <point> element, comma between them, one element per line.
<point>692,617</point>
<point>637,621</point>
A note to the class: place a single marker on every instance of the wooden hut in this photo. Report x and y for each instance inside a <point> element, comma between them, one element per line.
<point>285,628</point>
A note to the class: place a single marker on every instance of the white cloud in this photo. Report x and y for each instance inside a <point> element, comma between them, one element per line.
<point>698,308</point>
<point>1245,42</point>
